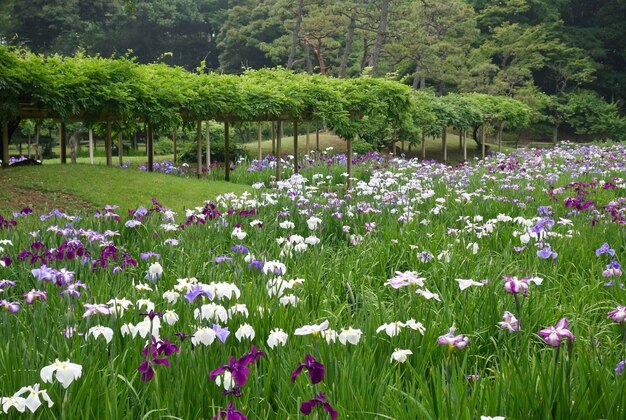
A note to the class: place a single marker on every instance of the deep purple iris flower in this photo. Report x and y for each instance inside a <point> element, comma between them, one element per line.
<point>230,414</point>
<point>258,264</point>
<point>315,370</point>
<point>320,399</point>
<point>197,290</point>
<point>151,354</point>
<point>152,314</point>
<point>237,368</point>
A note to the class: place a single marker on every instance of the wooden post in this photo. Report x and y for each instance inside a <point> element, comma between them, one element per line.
<point>482,139</point>
<point>29,142</point>
<point>295,147</point>
<point>308,139</point>
<point>199,148</point>
<point>393,147</point>
<point>107,145</point>
<point>226,151</point>
<point>63,142</point>
<point>91,146</point>
<point>259,135</point>
<point>120,148</point>
<point>208,146</point>
<point>349,162</point>
<point>461,138</point>
<point>278,151</point>
<point>273,138</point>
<point>423,145</point>
<point>150,147</point>
<point>402,145</point>
<point>500,128</point>
<point>444,141</point>
<point>37,134</point>
<point>317,140</point>
<point>174,133</point>
<point>5,144</point>
<point>464,133</point>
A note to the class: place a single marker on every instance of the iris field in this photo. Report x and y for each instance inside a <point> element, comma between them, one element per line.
<point>427,291</point>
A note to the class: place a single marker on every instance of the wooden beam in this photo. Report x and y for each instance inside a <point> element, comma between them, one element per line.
<point>226,151</point>
<point>278,152</point>
<point>150,148</point>
<point>107,145</point>
<point>308,139</point>
<point>63,142</point>
<point>273,138</point>
<point>317,140</point>
<point>199,148</point>
<point>5,144</point>
<point>295,147</point>
<point>423,145</point>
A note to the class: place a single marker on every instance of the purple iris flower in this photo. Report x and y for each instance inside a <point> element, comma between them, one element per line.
<point>258,264</point>
<point>554,335</point>
<point>613,269</point>
<point>547,252</point>
<point>152,314</point>
<point>223,258</point>
<point>619,369</point>
<point>221,332</point>
<point>239,249</point>
<point>605,249</point>
<point>315,370</point>
<point>183,336</point>
<point>230,414</point>
<point>320,399</point>
<point>544,211</point>
<point>252,356</point>
<point>197,290</point>
<point>72,290</point>
<point>12,307</point>
<point>6,283</point>
<point>145,255</point>
<point>237,368</point>
<point>44,273</point>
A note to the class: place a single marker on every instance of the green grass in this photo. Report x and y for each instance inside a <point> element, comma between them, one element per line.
<point>73,187</point>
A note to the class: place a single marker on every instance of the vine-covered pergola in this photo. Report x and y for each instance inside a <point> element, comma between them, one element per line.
<point>121,93</point>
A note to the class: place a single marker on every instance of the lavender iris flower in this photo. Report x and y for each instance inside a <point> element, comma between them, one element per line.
<point>605,249</point>
<point>547,252</point>
<point>221,333</point>
<point>315,370</point>
<point>554,335</point>
<point>240,249</point>
<point>12,307</point>
<point>196,291</point>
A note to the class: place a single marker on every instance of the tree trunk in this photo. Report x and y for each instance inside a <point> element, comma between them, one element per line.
<point>482,140</point>
<point>380,36</point>
<point>295,34</point>
<point>307,58</point>
<point>63,142</point>
<point>308,139</point>
<point>38,154</point>
<point>317,140</point>
<point>422,82</point>
<point>107,146</point>
<point>29,141</point>
<point>343,67</point>
<point>90,146</point>
<point>416,80</point>
<point>555,134</point>
<point>464,145</point>
<point>423,145</point>
<point>365,53</point>
<point>73,147</point>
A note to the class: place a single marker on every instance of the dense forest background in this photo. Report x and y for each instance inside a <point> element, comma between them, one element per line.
<point>565,58</point>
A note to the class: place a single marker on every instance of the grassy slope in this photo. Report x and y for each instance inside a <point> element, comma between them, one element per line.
<point>73,187</point>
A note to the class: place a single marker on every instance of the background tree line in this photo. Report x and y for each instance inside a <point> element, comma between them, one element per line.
<point>564,58</point>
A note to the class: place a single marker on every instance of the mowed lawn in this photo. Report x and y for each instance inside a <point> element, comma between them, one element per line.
<point>76,187</point>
